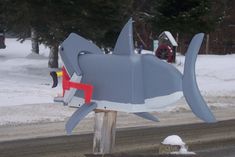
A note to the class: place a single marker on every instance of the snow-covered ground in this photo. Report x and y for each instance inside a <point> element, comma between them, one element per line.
<point>24,77</point>
<point>25,81</point>
<point>215,74</point>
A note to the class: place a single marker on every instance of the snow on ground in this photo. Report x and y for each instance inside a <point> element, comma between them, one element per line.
<point>34,113</point>
<point>25,81</point>
<point>24,77</point>
<point>215,74</point>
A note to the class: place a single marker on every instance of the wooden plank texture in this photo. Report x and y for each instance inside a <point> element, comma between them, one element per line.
<point>104,132</point>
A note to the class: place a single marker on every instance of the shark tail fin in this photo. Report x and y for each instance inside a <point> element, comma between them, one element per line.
<point>190,88</point>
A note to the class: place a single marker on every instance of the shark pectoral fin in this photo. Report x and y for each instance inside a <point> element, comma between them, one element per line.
<point>78,116</point>
<point>147,116</point>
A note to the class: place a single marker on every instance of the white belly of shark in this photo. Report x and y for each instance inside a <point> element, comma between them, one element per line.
<point>152,104</point>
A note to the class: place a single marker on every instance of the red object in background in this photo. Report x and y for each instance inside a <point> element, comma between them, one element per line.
<point>165,52</point>
<point>66,84</point>
<point>170,57</point>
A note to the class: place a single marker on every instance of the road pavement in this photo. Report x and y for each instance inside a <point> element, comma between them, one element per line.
<point>216,139</point>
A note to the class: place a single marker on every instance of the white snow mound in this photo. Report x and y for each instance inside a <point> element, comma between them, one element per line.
<point>173,140</point>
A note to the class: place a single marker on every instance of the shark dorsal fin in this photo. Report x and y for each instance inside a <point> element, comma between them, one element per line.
<point>124,44</point>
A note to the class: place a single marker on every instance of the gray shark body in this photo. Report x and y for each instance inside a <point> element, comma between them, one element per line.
<point>129,79</point>
<point>125,81</point>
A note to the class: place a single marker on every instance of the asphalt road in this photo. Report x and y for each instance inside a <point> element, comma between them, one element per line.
<point>217,140</point>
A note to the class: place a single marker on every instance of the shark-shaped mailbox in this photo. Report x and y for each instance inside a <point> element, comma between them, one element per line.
<point>129,82</point>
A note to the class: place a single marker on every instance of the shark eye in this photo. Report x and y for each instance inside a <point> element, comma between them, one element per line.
<point>82,53</point>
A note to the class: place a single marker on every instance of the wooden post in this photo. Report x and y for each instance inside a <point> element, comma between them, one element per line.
<point>104,131</point>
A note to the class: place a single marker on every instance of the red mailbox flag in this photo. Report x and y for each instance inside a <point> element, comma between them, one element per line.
<point>66,85</point>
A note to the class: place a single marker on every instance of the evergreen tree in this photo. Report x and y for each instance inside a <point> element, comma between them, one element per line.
<point>18,17</point>
<point>2,19</point>
<point>96,20</point>
<point>105,19</point>
<point>53,20</point>
<point>142,26</point>
<point>189,16</point>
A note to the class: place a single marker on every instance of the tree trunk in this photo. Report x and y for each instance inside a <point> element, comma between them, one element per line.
<point>104,132</point>
<point>53,57</point>
<point>34,40</point>
<point>207,43</point>
<point>177,40</point>
<point>174,54</point>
